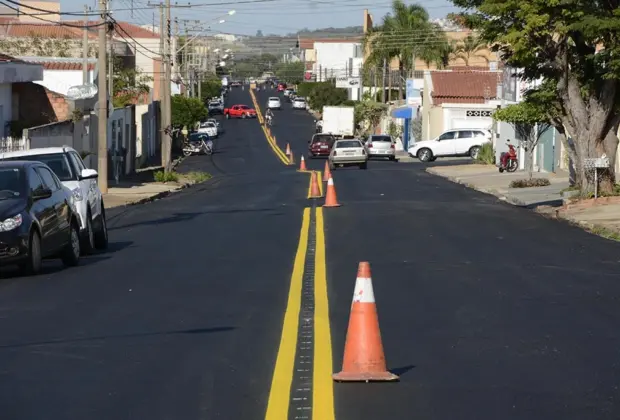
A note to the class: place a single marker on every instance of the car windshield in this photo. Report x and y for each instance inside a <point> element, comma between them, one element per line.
<point>11,183</point>
<point>57,162</point>
<point>323,138</point>
<point>274,99</point>
<point>300,100</point>
<point>243,107</point>
<point>214,104</point>
<point>348,143</point>
<point>381,138</point>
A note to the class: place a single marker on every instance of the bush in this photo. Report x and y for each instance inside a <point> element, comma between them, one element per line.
<point>161,176</point>
<point>305,89</point>
<point>527,183</point>
<point>486,155</point>
<point>197,176</point>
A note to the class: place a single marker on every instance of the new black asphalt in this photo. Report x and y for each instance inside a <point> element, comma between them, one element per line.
<point>487,311</point>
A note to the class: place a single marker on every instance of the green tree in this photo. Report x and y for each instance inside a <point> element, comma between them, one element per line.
<point>472,46</point>
<point>129,84</point>
<point>210,88</point>
<point>326,94</point>
<point>186,112</point>
<point>292,73</point>
<point>529,121</point>
<point>573,44</point>
<point>404,34</point>
<point>368,115</point>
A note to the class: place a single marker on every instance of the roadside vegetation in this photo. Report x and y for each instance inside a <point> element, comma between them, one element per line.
<point>486,155</point>
<point>195,177</point>
<point>530,182</point>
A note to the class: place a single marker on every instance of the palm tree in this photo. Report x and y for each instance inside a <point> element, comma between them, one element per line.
<point>406,34</point>
<point>472,46</point>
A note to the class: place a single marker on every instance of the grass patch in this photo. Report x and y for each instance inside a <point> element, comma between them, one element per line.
<point>528,183</point>
<point>161,176</point>
<point>605,233</point>
<point>197,176</point>
<point>486,155</point>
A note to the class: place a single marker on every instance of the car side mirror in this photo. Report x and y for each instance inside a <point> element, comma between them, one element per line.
<point>42,194</point>
<point>88,174</point>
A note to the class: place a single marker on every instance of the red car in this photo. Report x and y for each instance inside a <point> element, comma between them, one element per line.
<point>282,87</point>
<point>239,111</point>
<point>320,145</point>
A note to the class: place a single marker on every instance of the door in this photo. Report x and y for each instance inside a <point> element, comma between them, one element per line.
<point>43,211</point>
<point>444,145</point>
<point>464,142</point>
<point>58,202</point>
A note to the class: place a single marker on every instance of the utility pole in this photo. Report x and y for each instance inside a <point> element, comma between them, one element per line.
<point>102,141</point>
<point>85,47</point>
<point>383,81</point>
<point>162,84</point>
<point>186,64</point>
<point>111,67</point>
<point>168,76</point>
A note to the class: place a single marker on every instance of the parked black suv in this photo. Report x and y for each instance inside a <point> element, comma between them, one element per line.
<point>37,217</point>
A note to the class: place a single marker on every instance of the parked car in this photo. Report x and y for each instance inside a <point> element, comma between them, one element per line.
<point>455,142</point>
<point>215,107</point>
<point>239,111</point>
<point>274,103</point>
<point>69,167</point>
<point>37,217</point>
<point>208,127</point>
<point>381,145</point>
<point>348,152</point>
<point>320,145</point>
<point>288,91</point>
<point>219,127</point>
<point>299,103</point>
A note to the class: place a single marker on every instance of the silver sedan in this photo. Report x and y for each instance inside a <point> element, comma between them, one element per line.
<point>348,152</point>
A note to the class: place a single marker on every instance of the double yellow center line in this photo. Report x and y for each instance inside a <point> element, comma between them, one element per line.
<point>319,381</point>
<point>270,139</point>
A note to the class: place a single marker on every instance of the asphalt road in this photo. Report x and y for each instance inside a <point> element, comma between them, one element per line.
<point>487,311</point>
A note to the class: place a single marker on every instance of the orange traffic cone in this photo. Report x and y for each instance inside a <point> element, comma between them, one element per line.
<point>363,350</point>
<point>291,158</point>
<point>326,172</point>
<point>302,165</point>
<point>288,149</point>
<point>315,191</point>
<point>330,196</point>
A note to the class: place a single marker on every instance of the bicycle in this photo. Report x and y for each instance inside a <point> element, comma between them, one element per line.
<point>269,121</point>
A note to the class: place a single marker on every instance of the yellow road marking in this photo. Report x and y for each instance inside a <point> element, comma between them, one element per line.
<point>280,392</point>
<point>322,383</point>
<point>272,143</point>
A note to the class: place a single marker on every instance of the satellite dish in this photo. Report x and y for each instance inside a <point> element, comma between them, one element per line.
<point>82,91</point>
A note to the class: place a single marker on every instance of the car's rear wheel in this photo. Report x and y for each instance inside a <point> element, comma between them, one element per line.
<point>70,255</point>
<point>332,167</point>
<point>88,241</point>
<point>474,151</point>
<point>227,116</point>
<point>34,262</point>
<point>425,154</point>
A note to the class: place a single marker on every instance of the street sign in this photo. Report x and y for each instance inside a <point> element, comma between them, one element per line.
<point>348,82</point>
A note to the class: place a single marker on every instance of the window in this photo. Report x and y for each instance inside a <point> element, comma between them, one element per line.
<point>450,135</point>
<point>34,181</point>
<point>348,143</point>
<point>381,138</point>
<point>78,164</point>
<point>466,134</point>
<point>48,179</point>
<point>57,162</point>
<point>10,181</point>
<point>478,113</point>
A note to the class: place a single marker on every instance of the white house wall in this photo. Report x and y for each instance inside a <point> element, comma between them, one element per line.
<point>467,116</point>
<point>60,81</point>
<point>144,57</point>
<point>333,56</point>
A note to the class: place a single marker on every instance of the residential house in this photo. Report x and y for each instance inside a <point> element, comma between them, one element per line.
<point>62,73</point>
<point>14,72</point>
<point>458,99</point>
<point>330,61</point>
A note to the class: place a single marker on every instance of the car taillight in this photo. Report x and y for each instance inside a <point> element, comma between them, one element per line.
<point>335,153</point>
<point>370,145</point>
<point>392,146</point>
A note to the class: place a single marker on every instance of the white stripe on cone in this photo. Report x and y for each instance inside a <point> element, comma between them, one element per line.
<point>363,291</point>
<point>330,181</point>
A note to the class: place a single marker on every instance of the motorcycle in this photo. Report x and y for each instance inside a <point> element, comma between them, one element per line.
<point>269,120</point>
<point>198,147</point>
<point>508,160</point>
<point>318,128</point>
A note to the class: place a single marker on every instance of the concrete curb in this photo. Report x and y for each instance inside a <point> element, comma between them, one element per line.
<point>510,200</point>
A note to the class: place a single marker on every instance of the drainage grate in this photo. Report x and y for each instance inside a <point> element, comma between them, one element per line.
<point>300,407</point>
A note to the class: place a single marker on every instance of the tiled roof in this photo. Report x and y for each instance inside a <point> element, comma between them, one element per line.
<point>8,59</point>
<point>24,30</point>
<point>308,43</point>
<point>473,87</point>
<point>51,65</point>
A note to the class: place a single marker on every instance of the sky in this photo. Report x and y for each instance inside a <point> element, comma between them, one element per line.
<point>269,16</point>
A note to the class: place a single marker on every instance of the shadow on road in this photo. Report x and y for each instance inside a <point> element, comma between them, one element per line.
<point>113,336</point>
<point>51,266</point>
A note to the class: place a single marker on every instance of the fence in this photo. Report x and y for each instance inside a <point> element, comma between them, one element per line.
<point>13,144</point>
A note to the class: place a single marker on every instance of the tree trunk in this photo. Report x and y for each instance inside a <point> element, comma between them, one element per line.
<point>529,160</point>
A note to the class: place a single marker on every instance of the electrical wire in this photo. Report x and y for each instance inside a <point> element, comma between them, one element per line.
<point>51,21</point>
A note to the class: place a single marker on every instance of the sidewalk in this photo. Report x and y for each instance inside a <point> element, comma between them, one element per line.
<point>599,216</point>
<point>487,179</point>
<point>136,193</point>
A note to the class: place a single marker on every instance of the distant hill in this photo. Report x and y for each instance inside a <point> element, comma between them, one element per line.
<point>327,32</point>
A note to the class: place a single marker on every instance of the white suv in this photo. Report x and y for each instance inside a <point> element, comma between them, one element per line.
<point>455,142</point>
<point>70,169</point>
<point>274,103</point>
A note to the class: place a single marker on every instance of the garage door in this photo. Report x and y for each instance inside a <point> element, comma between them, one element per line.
<point>472,123</point>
